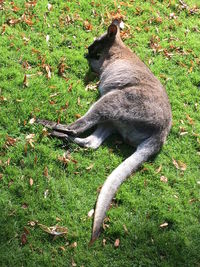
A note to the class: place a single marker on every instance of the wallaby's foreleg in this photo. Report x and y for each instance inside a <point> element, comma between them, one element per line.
<point>52,125</point>
<point>104,110</point>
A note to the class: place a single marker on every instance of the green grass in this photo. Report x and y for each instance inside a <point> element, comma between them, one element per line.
<point>144,202</point>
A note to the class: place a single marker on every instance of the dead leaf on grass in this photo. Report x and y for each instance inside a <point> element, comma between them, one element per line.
<point>163,225</point>
<point>73,245</point>
<point>91,213</point>
<point>31,181</point>
<point>23,239</point>
<point>10,141</point>
<point>88,27</point>
<point>159,169</point>
<point>179,165</point>
<point>49,6</point>
<point>163,179</point>
<point>54,230</point>
<point>90,167</point>
<point>117,242</point>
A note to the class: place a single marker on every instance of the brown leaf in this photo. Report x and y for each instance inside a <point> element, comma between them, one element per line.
<point>90,167</point>
<point>31,181</point>
<point>32,223</point>
<point>64,159</point>
<point>48,70</point>
<point>32,121</point>
<point>73,245</point>
<point>46,172</point>
<point>73,263</point>
<point>125,229</point>
<point>87,25</point>
<point>163,225</point>
<point>54,230</point>
<point>1,176</point>
<point>77,116</point>
<point>49,7</point>
<point>3,29</point>
<point>12,22</point>
<point>159,169</point>
<point>179,165</point>
<point>25,81</point>
<point>104,242</point>
<point>163,179</point>
<point>23,239</point>
<point>30,4</point>
<point>116,244</point>
<point>10,141</point>
<point>24,205</point>
<point>190,120</point>
<point>91,213</point>
<point>70,88</point>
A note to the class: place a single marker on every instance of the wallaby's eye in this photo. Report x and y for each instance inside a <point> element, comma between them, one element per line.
<point>98,55</point>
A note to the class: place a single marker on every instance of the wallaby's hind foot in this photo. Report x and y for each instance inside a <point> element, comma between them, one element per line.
<point>96,138</point>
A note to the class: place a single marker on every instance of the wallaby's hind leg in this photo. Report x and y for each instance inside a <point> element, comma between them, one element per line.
<point>96,138</point>
<point>92,141</point>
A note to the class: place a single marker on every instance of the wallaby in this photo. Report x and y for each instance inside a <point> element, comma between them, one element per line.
<point>133,103</point>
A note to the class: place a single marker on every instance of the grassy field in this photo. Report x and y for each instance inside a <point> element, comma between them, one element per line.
<point>43,73</point>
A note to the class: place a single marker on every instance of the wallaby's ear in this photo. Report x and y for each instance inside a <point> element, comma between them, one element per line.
<point>112,30</point>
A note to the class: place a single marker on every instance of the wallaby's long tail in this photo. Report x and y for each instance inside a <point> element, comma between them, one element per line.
<point>146,149</point>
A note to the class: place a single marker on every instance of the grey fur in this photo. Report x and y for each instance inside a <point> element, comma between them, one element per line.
<point>133,102</point>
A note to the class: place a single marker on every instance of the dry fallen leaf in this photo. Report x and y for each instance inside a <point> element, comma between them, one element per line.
<point>32,223</point>
<point>31,181</point>
<point>31,121</point>
<point>159,169</point>
<point>77,116</point>
<point>91,87</point>
<point>54,230</point>
<point>49,6</point>
<point>163,179</point>
<point>190,120</point>
<point>163,225</point>
<point>46,172</point>
<point>125,229</point>
<point>46,192</point>
<point>25,81</point>
<point>73,245</point>
<point>91,213</point>
<point>65,159</point>
<point>179,165</point>
<point>30,140</point>
<point>10,141</point>
<point>87,25</point>
<point>116,244</point>
<point>48,70</point>
<point>90,167</point>
<point>104,242</point>
<point>73,263</point>
<point>23,239</point>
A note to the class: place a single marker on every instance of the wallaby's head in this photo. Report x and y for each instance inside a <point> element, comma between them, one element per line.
<point>104,47</point>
